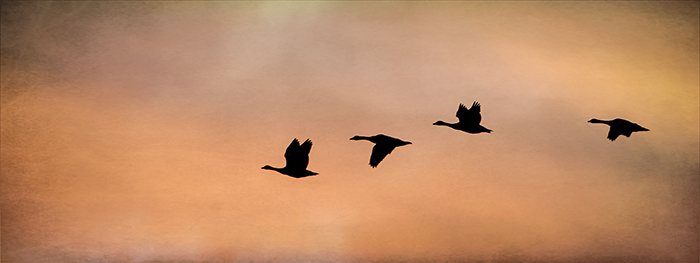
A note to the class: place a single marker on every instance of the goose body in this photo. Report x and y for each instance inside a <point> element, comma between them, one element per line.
<point>297,157</point>
<point>620,127</point>
<point>384,145</point>
<point>469,120</point>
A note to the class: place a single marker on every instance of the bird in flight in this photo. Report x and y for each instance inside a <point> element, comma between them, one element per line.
<point>297,157</point>
<point>384,145</point>
<point>620,127</point>
<point>469,120</point>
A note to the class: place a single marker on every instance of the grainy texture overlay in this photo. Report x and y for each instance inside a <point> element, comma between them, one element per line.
<point>135,131</point>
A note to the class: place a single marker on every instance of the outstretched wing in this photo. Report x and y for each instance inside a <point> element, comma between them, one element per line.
<point>305,147</point>
<point>379,151</point>
<point>613,133</point>
<point>290,155</point>
<point>297,156</point>
<point>470,116</point>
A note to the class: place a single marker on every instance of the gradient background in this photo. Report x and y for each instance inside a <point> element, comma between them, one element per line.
<point>135,131</point>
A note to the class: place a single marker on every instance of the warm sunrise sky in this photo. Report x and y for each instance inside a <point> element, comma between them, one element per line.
<point>135,131</point>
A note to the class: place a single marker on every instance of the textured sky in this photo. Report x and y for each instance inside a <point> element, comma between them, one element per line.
<point>135,131</point>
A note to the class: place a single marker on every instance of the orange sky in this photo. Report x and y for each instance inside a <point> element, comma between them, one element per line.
<point>135,132</point>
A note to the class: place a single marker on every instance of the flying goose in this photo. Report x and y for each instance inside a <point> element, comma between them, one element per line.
<point>384,145</point>
<point>620,126</point>
<point>297,157</point>
<point>469,120</point>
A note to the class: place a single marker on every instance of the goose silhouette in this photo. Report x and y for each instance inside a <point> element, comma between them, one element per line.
<point>297,157</point>
<point>384,145</point>
<point>620,127</point>
<point>469,120</point>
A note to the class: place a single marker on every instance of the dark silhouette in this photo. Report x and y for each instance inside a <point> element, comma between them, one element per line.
<point>620,126</point>
<point>384,145</point>
<point>469,120</point>
<point>297,157</point>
